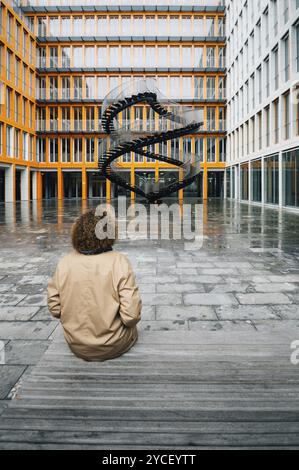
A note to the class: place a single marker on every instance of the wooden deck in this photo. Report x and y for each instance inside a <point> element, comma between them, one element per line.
<point>188,390</point>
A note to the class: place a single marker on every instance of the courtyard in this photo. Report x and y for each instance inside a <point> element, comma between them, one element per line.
<point>236,299</point>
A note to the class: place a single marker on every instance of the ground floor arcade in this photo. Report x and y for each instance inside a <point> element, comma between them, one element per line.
<point>21,183</point>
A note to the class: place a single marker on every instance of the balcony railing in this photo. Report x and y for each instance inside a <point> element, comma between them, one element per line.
<point>179,3</point>
<point>79,94</point>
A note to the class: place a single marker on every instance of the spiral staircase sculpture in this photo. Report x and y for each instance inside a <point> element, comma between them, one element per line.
<point>181,121</point>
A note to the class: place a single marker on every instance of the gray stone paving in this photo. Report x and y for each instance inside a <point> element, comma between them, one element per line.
<point>245,278</point>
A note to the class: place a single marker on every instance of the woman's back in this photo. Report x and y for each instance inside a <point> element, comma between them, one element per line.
<point>97,300</point>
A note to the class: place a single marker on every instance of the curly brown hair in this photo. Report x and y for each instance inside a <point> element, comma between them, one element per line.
<point>84,237</point>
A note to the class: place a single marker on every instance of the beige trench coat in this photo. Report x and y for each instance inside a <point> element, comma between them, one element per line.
<point>98,303</point>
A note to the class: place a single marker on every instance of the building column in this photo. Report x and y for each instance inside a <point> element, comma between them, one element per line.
<point>108,190</point>
<point>263,181</point>
<point>37,192</point>
<point>59,184</point>
<point>34,185</point>
<point>224,184</point>
<point>132,182</point>
<point>10,183</point>
<point>39,185</point>
<point>84,183</point>
<point>25,184</point>
<point>205,183</point>
<point>249,182</point>
<point>280,181</point>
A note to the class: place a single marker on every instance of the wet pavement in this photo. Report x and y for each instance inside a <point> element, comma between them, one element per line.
<point>244,278</point>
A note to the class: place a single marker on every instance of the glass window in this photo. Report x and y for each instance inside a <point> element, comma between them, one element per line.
<point>198,56</point>
<point>286,11</point>
<point>199,148</point>
<point>53,150</point>
<point>138,56</point>
<point>138,118</point>
<point>199,87</point>
<point>90,87</point>
<point>25,146</point>
<point>210,26</point>
<point>174,56</point>
<point>256,180</point>
<point>150,26</point>
<point>53,112</point>
<point>41,26</point>
<point>244,179</point>
<point>162,57</point>
<point>54,26</point>
<point>286,47</point>
<point>211,118</point>
<point>221,57</point>
<point>114,60</point>
<point>40,150</point>
<point>276,68</point>
<point>66,119</point>
<point>102,56</point>
<point>287,117</point>
<point>162,26</point>
<point>77,88</point>
<point>89,119</point>
<point>271,176</point>
<point>102,87</point>
<point>267,123</point>
<point>198,22</point>
<point>78,26</point>
<point>211,87</point>
<point>222,149</point>
<point>66,26</point>
<point>126,56</point>
<point>162,85</point>
<point>78,56</point>
<point>174,87</point>
<point>66,150</point>
<point>102,26</point>
<point>53,88</point>
<point>137,25</point>
<point>174,25</point>
<point>187,57</point>
<point>65,57</point>
<point>90,26</point>
<point>290,178</point>
<point>114,26</point>
<point>221,26</point>
<point>211,57</point>
<point>90,150</point>
<point>77,153</point>
<point>89,56</point>
<point>126,25</point>
<point>211,149</point>
<point>221,88</point>
<point>78,122</point>
<point>186,26</point>
<point>187,91</point>
<point>276,121</point>
<point>53,57</point>
<point>150,56</point>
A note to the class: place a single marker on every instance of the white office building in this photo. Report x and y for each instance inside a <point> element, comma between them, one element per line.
<point>263,102</point>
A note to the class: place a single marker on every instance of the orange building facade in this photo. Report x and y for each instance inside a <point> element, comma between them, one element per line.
<point>57,65</point>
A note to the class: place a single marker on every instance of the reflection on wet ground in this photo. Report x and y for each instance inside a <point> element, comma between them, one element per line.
<point>228,226</point>
<point>244,278</point>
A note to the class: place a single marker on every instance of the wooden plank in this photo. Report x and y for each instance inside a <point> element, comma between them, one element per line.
<point>35,383</point>
<point>86,403</point>
<point>151,426</point>
<point>144,438</point>
<point>196,414</point>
